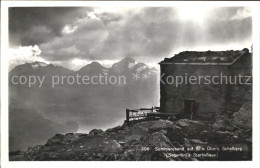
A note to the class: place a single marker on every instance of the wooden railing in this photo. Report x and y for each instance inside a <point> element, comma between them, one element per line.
<point>137,114</point>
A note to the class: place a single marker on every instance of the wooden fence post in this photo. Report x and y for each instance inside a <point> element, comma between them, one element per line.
<point>127,116</point>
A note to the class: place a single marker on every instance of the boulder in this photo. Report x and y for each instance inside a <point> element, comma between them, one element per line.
<point>187,143</point>
<point>158,139</point>
<point>80,135</point>
<point>130,155</point>
<point>70,137</point>
<point>222,123</point>
<point>96,132</point>
<point>64,139</point>
<point>159,125</point>
<point>190,126</point>
<point>115,129</point>
<point>164,132</point>
<point>140,128</point>
<point>222,137</point>
<point>197,141</point>
<point>33,152</point>
<point>176,134</point>
<point>113,147</point>
<point>133,140</point>
<point>244,133</point>
<point>243,117</point>
<point>151,126</point>
<point>183,124</point>
<point>55,140</point>
<point>187,122</point>
<point>172,118</point>
<point>34,149</point>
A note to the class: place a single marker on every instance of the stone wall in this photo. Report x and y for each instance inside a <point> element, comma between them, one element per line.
<point>210,99</point>
<point>240,93</point>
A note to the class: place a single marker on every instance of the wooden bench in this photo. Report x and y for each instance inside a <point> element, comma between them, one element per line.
<point>146,113</point>
<point>137,114</point>
<point>158,115</point>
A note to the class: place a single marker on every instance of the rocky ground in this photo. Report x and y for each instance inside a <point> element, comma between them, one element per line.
<point>151,140</point>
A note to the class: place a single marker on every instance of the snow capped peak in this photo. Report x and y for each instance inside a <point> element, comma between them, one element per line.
<point>124,63</point>
<point>131,65</point>
<point>38,64</point>
<point>139,69</point>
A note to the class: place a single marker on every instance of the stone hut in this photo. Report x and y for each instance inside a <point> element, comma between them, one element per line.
<point>195,72</point>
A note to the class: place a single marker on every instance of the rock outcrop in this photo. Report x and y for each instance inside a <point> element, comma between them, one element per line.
<point>96,132</point>
<point>148,140</point>
<point>243,117</point>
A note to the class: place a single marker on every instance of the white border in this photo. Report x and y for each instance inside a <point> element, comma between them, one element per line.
<point>4,87</point>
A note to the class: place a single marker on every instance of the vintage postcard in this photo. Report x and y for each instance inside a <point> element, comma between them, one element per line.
<point>103,81</point>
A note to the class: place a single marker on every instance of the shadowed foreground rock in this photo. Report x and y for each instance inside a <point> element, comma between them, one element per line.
<point>149,140</point>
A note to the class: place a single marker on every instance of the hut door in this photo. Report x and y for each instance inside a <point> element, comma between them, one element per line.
<point>189,107</point>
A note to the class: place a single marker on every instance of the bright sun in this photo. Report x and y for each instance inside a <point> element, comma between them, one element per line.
<point>192,13</point>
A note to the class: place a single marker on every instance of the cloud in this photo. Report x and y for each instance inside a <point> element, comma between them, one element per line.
<point>68,29</point>
<point>114,33</point>
<point>83,41</point>
<point>231,31</point>
<point>26,23</point>
<point>24,54</point>
<point>242,14</point>
<point>72,51</point>
<point>77,63</point>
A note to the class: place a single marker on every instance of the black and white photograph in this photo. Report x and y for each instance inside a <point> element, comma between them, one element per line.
<point>125,83</point>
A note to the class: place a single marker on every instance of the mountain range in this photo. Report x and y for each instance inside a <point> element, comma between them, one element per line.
<point>126,65</point>
<point>84,107</point>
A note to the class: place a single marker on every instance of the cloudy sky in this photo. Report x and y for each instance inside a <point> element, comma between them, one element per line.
<point>74,37</point>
